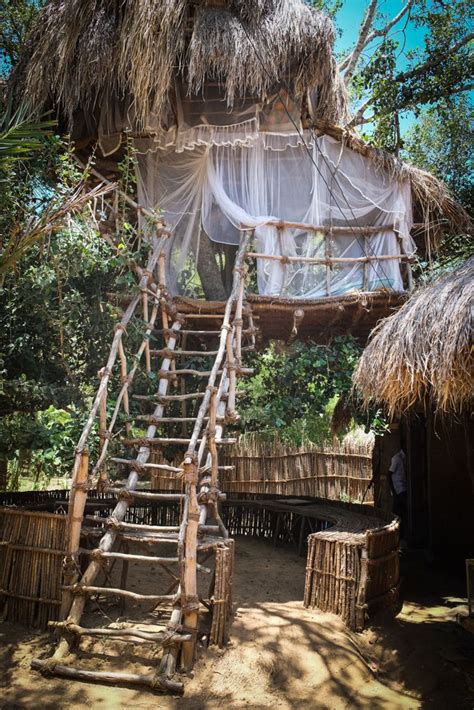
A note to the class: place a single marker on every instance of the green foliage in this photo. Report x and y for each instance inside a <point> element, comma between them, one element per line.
<point>294,389</point>
<point>20,136</point>
<point>441,143</point>
<point>16,20</point>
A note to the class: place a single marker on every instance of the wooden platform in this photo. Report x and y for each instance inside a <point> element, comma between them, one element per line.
<point>321,319</point>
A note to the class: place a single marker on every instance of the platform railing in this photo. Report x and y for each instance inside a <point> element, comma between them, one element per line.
<point>329,260</point>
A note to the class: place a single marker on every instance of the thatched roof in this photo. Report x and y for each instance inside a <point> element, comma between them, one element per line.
<point>84,52</point>
<point>125,55</point>
<point>423,354</point>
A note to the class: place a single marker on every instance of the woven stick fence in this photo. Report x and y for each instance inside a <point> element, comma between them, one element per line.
<point>31,558</point>
<point>352,557</point>
<point>354,575</point>
<point>335,471</point>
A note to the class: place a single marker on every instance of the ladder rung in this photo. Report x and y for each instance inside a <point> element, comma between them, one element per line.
<point>125,492</point>
<point>184,353</point>
<point>126,556</point>
<point>165,420</point>
<point>113,592</point>
<point>150,679</point>
<point>169,331</point>
<point>169,397</point>
<point>171,538</point>
<point>192,316</point>
<point>164,374</point>
<point>120,634</point>
<point>119,525</point>
<point>169,440</point>
<point>131,462</point>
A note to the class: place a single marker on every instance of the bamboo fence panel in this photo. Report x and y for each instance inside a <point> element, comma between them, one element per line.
<point>31,560</point>
<point>222,597</point>
<point>352,558</point>
<point>335,472</point>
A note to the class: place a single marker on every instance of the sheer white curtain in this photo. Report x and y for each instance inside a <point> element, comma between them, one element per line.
<point>224,184</point>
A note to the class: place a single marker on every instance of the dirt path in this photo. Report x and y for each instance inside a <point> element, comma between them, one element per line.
<point>281,656</point>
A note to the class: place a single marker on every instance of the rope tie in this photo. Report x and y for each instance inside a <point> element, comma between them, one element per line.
<point>138,468</point>
<point>112,523</point>
<point>285,260</point>
<point>105,433</point>
<point>125,495</point>
<point>191,603</point>
<point>120,327</point>
<point>227,327</point>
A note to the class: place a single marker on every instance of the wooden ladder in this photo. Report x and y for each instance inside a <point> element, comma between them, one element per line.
<point>200,531</point>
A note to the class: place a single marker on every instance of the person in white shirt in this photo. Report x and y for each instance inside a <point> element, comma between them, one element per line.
<point>398,482</point>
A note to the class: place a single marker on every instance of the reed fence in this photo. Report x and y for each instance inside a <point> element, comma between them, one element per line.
<point>340,472</point>
<point>31,558</point>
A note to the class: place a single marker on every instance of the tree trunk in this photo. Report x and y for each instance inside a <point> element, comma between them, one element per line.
<point>209,272</point>
<point>3,472</point>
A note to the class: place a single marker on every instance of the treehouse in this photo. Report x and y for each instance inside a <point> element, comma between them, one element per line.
<point>230,109</point>
<point>263,220</point>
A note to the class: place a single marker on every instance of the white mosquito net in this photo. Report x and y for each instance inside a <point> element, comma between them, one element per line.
<point>214,179</point>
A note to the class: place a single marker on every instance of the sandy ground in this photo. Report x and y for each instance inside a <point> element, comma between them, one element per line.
<point>282,655</point>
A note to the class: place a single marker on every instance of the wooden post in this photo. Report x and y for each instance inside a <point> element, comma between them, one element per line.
<point>365,286</point>
<point>102,415</point>
<point>327,255</point>
<point>77,503</point>
<point>145,318</point>
<point>123,379</point>
<point>231,366</point>
<point>191,599</point>
<point>211,437</point>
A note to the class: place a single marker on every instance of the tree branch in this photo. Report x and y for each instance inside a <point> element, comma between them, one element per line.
<point>358,119</point>
<point>389,25</point>
<point>364,31</point>
<point>434,61</point>
<point>379,33</point>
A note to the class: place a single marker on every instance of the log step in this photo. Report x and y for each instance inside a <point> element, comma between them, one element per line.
<point>151,680</point>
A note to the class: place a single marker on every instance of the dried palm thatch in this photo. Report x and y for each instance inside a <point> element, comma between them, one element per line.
<point>82,53</point>
<point>423,353</point>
